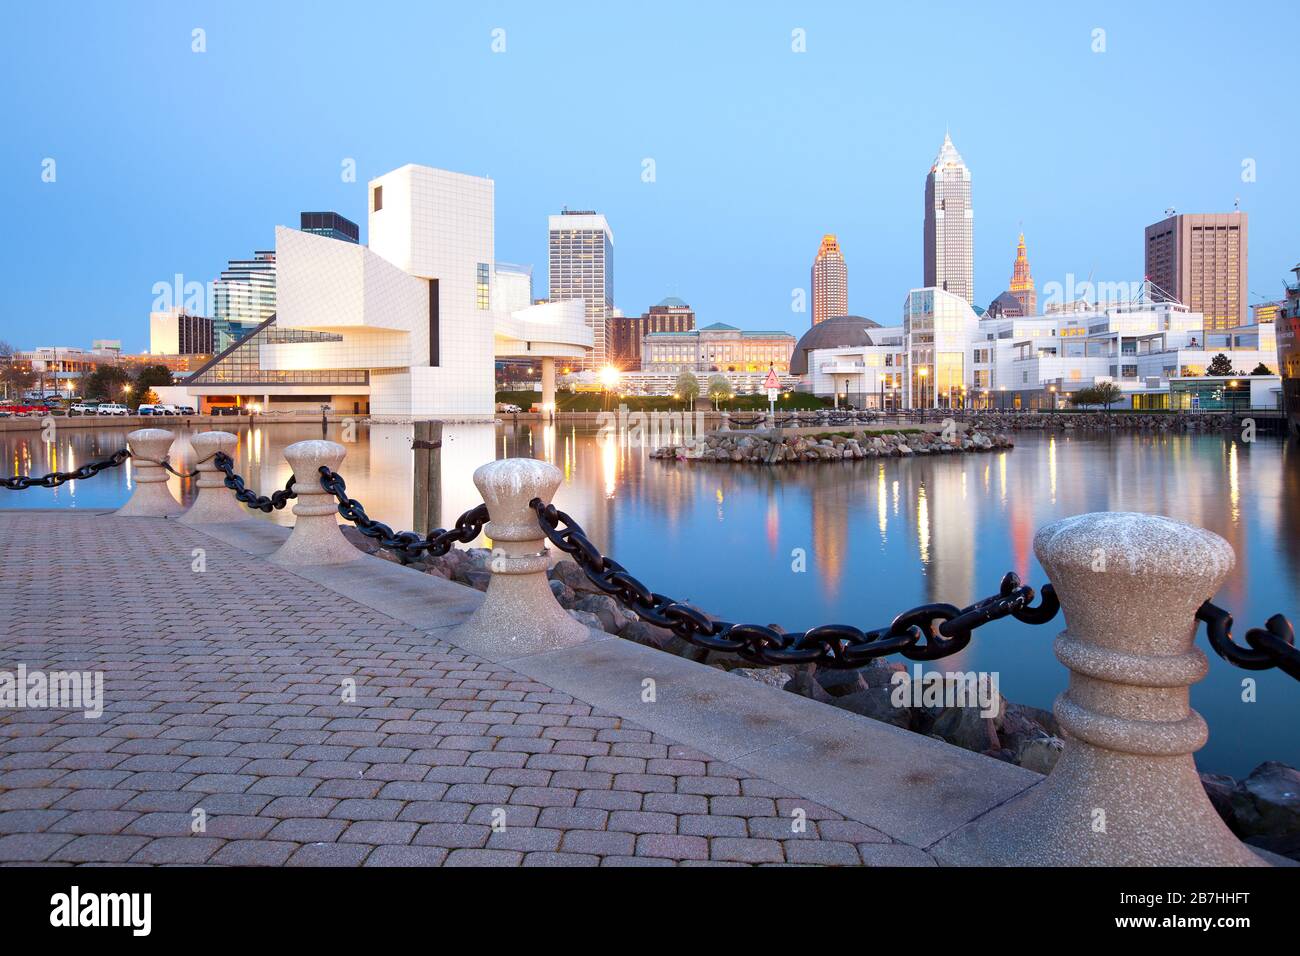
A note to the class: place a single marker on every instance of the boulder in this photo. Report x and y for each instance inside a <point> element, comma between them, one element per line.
<point>965,728</point>
<point>612,616</point>
<point>772,676</point>
<point>1040,754</point>
<point>1267,803</point>
<point>876,703</point>
<point>1220,788</point>
<point>568,572</point>
<point>586,618</point>
<point>563,593</point>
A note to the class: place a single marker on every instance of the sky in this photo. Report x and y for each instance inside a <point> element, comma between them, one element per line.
<point>170,161</point>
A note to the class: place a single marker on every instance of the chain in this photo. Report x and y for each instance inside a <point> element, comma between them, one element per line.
<point>922,633</point>
<point>166,463</point>
<point>257,502</point>
<point>407,545</point>
<point>56,478</point>
<point>1272,645</point>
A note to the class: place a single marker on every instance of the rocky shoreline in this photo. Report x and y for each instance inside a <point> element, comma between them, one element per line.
<point>1157,422</point>
<point>1263,809</point>
<point>770,448</point>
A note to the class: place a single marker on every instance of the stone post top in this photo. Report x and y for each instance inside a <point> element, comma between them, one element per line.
<point>1132,583</point>
<point>143,435</point>
<point>1138,545</point>
<point>306,457</point>
<point>507,486</point>
<point>209,443</point>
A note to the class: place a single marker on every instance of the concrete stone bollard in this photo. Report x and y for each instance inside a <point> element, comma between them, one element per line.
<point>215,504</point>
<point>151,497</point>
<point>519,614</point>
<point>316,538</point>
<point>1125,791</point>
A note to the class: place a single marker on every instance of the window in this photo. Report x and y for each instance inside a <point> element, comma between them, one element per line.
<point>483,287</point>
<point>377,197</point>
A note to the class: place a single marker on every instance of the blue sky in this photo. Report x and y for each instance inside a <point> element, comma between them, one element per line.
<point>170,161</point>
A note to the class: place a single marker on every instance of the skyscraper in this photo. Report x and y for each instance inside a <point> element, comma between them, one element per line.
<point>830,281</point>
<point>949,225</point>
<point>246,290</point>
<point>1201,261</point>
<point>1022,281</point>
<point>329,224</point>
<point>581,254</point>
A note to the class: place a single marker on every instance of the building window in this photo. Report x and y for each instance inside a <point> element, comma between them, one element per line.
<point>483,287</point>
<point>377,199</point>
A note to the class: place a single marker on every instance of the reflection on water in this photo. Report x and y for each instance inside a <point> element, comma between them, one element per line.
<point>879,535</point>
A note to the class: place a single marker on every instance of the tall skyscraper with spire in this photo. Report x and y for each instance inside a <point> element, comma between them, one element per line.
<point>830,281</point>
<point>949,225</point>
<point>1022,281</point>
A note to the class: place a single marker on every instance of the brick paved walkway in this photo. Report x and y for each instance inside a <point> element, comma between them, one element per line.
<point>224,693</point>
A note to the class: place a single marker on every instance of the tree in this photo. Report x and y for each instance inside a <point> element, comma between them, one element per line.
<point>719,389</point>
<point>106,383</point>
<point>1262,369</point>
<point>14,375</point>
<point>1085,396</point>
<point>687,388</point>
<point>1220,365</point>
<point>152,375</point>
<point>1108,393</point>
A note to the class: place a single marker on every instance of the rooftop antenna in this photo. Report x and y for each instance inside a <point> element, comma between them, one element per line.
<point>1171,211</point>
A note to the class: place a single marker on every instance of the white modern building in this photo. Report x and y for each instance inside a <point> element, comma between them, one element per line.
<point>407,327</point>
<point>944,355</point>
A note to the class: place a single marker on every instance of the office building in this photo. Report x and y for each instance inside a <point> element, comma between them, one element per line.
<point>512,287</point>
<point>949,244</point>
<point>329,224</point>
<point>581,266</point>
<point>626,333</point>
<point>830,281</point>
<point>1022,281</point>
<point>1201,261</point>
<point>245,292</point>
<point>176,332</point>
<point>717,348</point>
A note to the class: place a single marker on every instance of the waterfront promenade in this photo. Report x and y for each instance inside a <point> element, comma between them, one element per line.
<point>224,693</point>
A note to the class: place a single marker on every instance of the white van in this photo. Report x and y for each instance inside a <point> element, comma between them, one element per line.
<point>112,408</point>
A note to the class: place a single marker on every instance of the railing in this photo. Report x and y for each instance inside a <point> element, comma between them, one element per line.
<point>1128,642</point>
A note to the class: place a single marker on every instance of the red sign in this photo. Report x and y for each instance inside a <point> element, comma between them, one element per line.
<point>772,382</point>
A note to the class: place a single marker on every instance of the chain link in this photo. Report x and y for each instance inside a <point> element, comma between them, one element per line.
<point>407,545</point>
<point>252,499</point>
<point>922,633</point>
<point>1272,645</point>
<point>56,478</point>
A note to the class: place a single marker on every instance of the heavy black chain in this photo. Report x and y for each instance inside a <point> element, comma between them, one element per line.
<point>923,633</point>
<point>252,499</point>
<point>56,478</point>
<point>1272,645</point>
<point>407,545</point>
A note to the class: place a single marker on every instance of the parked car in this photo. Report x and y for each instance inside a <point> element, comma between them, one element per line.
<point>508,409</point>
<point>112,408</point>
<point>84,408</point>
<point>184,410</point>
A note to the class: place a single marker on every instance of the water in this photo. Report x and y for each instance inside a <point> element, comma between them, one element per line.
<point>877,536</point>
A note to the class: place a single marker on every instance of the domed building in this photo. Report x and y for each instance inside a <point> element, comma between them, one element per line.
<point>843,331</point>
<point>1006,306</point>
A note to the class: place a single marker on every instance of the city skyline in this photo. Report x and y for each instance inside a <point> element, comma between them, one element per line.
<point>762,196</point>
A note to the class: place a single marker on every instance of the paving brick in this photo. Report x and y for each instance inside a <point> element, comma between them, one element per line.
<point>465,857</point>
<point>407,856</point>
<point>330,854</point>
<point>823,852</point>
<point>602,843</point>
<point>746,851</point>
<point>636,821</point>
<point>672,846</point>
